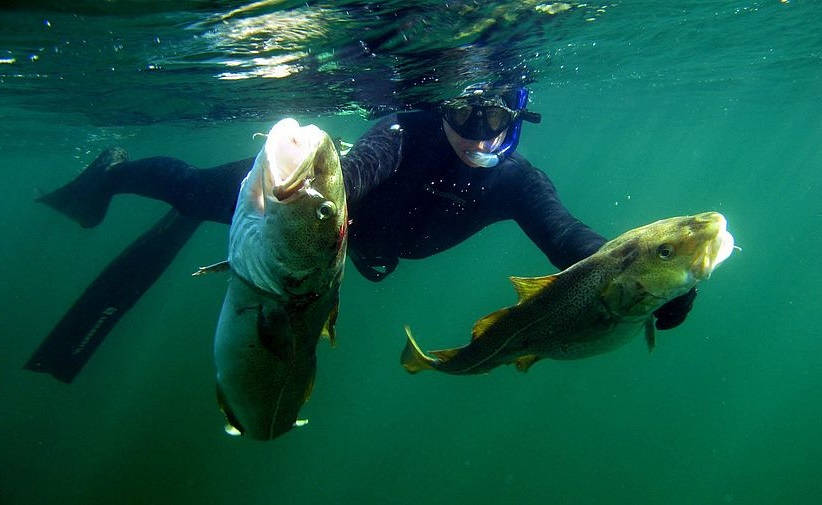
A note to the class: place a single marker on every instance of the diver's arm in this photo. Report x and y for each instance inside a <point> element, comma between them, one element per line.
<point>373,158</point>
<point>533,202</point>
<point>563,238</point>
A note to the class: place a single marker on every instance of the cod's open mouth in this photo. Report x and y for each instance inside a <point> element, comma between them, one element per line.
<point>290,151</point>
<point>286,185</point>
<point>715,252</point>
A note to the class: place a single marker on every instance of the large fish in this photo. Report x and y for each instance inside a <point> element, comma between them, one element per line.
<point>595,305</point>
<point>286,253</point>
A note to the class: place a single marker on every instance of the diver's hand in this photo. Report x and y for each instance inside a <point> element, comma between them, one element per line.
<point>673,313</point>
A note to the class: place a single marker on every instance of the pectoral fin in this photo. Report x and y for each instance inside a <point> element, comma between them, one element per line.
<point>329,331</point>
<point>523,363</point>
<point>232,425</point>
<point>210,269</point>
<point>650,333</point>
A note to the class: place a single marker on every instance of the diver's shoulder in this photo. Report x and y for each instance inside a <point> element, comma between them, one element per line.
<point>518,166</point>
<point>407,121</point>
<point>518,171</point>
<point>519,162</point>
<point>417,120</point>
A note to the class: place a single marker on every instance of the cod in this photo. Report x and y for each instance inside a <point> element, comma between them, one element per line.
<point>286,253</point>
<point>593,306</point>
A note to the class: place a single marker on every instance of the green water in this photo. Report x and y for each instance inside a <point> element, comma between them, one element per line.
<point>725,410</point>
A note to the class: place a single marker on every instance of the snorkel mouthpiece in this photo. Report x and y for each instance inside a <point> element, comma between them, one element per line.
<point>484,160</point>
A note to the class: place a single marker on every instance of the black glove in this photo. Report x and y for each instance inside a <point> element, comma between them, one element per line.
<point>673,313</point>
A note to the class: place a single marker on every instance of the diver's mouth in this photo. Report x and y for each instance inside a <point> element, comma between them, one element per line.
<point>482,153</point>
<point>716,251</point>
<point>491,145</point>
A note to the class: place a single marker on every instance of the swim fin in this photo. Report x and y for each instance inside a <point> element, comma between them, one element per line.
<point>86,198</point>
<point>74,339</point>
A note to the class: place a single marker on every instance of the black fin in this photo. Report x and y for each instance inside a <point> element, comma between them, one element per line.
<point>71,343</point>
<point>86,198</point>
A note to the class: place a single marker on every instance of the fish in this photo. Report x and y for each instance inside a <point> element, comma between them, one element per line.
<point>594,306</point>
<point>286,253</point>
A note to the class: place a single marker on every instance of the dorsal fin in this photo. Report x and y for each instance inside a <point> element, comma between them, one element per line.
<point>445,354</point>
<point>529,286</point>
<point>482,325</point>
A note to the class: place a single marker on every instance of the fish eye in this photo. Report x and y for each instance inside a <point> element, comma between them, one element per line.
<point>665,251</point>
<point>326,210</point>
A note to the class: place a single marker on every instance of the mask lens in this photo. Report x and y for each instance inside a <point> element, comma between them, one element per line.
<point>457,116</point>
<point>481,120</point>
<point>497,118</point>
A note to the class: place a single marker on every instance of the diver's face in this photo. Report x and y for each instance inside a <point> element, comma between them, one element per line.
<point>463,146</point>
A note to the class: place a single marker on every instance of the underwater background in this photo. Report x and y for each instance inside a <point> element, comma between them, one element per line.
<point>650,109</point>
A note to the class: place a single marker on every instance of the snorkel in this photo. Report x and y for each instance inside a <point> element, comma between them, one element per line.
<point>509,143</point>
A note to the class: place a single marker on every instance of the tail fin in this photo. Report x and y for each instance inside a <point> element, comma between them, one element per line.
<point>86,198</point>
<point>413,359</point>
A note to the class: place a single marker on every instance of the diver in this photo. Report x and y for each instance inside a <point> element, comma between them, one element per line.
<point>417,183</point>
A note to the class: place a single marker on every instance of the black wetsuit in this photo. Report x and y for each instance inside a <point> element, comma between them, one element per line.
<point>409,196</point>
<point>408,193</point>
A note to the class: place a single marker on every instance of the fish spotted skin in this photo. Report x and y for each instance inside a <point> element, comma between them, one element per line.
<point>594,306</point>
<point>287,247</point>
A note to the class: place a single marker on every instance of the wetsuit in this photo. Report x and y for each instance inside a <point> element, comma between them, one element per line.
<point>409,196</point>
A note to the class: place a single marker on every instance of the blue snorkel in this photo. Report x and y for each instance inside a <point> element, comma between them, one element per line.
<point>509,144</point>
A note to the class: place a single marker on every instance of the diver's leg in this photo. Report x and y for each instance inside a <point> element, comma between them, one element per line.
<point>71,343</point>
<point>86,198</point>
<point>203,194</point>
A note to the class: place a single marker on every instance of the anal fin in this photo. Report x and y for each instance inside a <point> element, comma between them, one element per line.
<point>523,363</point>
